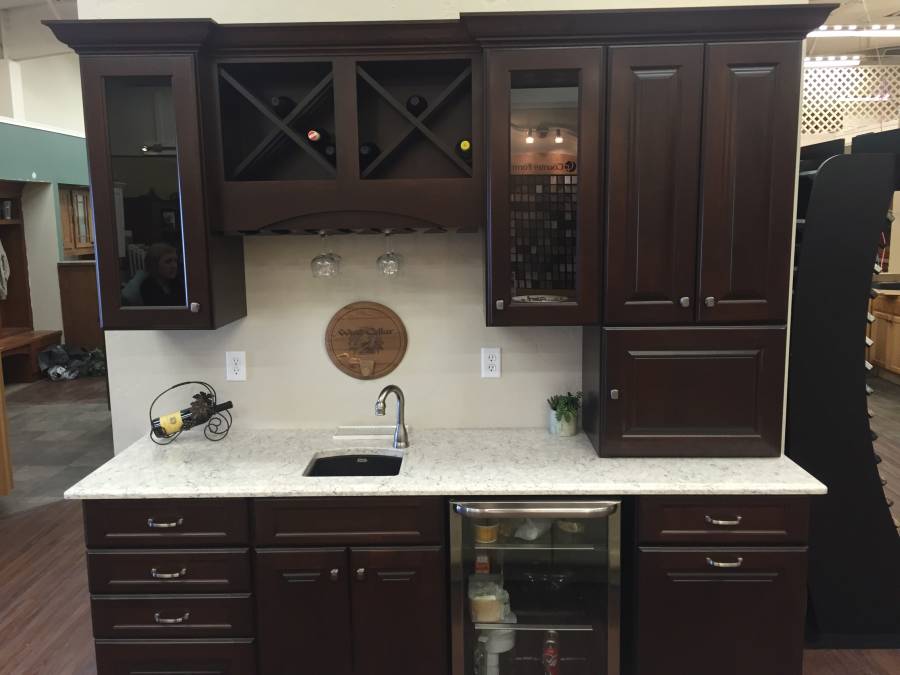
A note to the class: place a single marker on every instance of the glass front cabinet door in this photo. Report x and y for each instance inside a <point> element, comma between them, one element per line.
<point>141,114</point>
<point>544,128</point>
<point>536,587</point>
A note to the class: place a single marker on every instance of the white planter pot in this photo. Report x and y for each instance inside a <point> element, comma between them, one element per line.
<point>563,427</point>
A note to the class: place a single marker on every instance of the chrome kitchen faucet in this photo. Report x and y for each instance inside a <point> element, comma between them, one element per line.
<point>401,439</point>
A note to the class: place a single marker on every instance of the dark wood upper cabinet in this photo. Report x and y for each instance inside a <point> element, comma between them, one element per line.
<point>655,95</point>
<point>720,610</point>
<point>158,264</point>
<point>405,589</point>
<point>349,143</point>
<point>689,392</point>
<point>544,118</point>
<point>749,163</point>
<point>303,611</point>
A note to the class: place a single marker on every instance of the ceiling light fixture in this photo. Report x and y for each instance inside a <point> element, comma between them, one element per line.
<point>559,137</point>
<point>529,138</point>
<point>831,61</point>
<point>853,30</point>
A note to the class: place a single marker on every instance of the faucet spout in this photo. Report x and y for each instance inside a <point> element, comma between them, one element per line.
<point>401,438</point>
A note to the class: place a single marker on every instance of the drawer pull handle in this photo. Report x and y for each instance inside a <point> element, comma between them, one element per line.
<point>156,574</point>
<point>153,525</point>
<point>361,574</point>
<point>335,574</point>
<point>728,565</point>
<point>167,622</point>
<point>724,523</point>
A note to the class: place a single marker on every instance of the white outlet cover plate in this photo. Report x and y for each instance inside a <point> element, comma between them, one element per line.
<point>490,362</point>
<point>236,366</point>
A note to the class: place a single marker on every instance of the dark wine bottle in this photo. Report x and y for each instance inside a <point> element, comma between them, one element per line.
<point>416,104</point>
<point>464,149</point>
<point>282,105</point>
<point>199,413</point>
<point>368,151</point>
<point>322,141</point>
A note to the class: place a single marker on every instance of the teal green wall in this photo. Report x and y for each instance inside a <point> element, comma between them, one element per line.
<point>51,157</point>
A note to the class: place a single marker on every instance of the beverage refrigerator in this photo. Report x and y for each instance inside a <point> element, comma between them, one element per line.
<point>535,587</point>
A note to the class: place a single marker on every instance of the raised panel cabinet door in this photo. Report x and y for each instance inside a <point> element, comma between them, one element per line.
<point>711,611</point>
<point>545,142</point>
<point>303,611</point>
<point>751,104</point>
<point>653,173</point>
<point>692,392</point>
<point>399,610</point>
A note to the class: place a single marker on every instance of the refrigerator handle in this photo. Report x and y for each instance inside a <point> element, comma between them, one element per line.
<point>536,509</point>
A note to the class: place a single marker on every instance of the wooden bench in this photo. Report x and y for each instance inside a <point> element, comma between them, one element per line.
<point>19,348</point>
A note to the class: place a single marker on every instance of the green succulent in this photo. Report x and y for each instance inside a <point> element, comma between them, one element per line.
<point>566,405</point>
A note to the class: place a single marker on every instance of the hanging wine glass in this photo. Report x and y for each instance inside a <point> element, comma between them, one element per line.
<point>326,264</point>
<point>389,263</point>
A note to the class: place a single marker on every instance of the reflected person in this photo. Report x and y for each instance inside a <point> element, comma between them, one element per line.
<point>164,285</point>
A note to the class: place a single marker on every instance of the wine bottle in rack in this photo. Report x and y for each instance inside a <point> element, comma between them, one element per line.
<point>368,151</point>
<point>464,150</point>
<point>323,142</point>
<point>282,105</point>
<point>416,104</point>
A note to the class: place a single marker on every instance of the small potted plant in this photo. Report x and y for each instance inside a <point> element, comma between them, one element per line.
<point>564,413</point>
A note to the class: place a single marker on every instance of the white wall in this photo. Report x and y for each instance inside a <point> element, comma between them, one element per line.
<point>52,92</point>
<point>39,204</point>
<point>49,86</point>
<point>291,382</point>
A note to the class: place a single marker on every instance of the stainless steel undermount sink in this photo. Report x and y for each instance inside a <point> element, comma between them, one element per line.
<point>355,463</point>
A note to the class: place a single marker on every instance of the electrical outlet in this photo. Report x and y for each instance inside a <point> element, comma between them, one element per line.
<point>236,366</point>
<point>490,362</point>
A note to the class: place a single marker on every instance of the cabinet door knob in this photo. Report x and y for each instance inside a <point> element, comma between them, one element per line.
<point>614,394</point>
<point>499,304</point>
<point>335,574</point>
<point>195,307</point>
<point>361,574</point>
<point>709,301</point>
<point>685,301</point>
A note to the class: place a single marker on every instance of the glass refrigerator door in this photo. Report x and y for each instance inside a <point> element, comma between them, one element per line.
<point>536,587</point>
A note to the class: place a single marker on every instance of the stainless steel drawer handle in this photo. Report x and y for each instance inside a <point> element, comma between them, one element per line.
<point>156,574</point>
<point>728,565</point>
<point>153,525</point>
<point>724,523</point>
<point>536,509</point>
<point>168,622</point>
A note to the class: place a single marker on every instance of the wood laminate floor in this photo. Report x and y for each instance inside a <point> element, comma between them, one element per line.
<point>58,433</point>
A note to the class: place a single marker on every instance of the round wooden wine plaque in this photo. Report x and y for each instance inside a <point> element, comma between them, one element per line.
<point>366,340</point>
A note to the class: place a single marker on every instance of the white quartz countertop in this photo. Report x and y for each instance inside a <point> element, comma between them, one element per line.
<point>451,462</point>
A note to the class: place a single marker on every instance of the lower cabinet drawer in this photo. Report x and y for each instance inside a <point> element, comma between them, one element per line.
<point>712,611</point>
<point>169,571</point>
<point>135,523</point>
<point>176,657</point>
<point>744,520</point>
<point>169,616</point>
<point>348,521</point>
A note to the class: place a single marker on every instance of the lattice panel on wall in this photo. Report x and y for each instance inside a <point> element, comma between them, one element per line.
<point>844,99</point>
